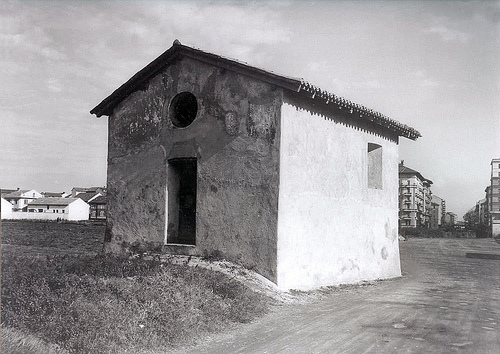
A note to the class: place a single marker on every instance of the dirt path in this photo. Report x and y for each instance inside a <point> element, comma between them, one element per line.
<point>444,303</point>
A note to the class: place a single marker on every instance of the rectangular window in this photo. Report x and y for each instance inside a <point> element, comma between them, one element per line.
<point>182,189</point>
<point>374,166</point>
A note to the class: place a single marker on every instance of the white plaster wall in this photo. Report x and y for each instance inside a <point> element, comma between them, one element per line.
<point>78,210</point>
<point>332,228</point>
<point>6,209</point>
<point>20,215</point>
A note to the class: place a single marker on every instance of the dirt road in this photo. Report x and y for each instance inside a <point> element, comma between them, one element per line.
<point>444,303</point>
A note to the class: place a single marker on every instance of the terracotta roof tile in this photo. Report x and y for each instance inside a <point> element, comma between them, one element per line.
<point>289,83</point>
<point>52,201</point>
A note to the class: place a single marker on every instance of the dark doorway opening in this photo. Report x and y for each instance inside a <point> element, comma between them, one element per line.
<point>182,178</point>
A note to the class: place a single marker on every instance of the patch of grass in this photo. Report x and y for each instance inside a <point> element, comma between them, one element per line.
<point>76,236</point>
<point>111,304</point>
<point>15,341</point>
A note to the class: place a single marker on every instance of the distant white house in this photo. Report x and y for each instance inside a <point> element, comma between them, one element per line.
<point>5,209</point>
<point>55,208</point>
<point>21,198</point>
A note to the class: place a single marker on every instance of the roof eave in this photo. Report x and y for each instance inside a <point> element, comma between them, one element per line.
<point>107,106</point>
<point>378,118</point>
<point>109,103</point>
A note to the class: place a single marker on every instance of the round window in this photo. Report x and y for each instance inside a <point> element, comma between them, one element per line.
<point>183,109</point>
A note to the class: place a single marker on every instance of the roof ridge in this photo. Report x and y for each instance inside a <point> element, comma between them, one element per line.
<point>294,84</point>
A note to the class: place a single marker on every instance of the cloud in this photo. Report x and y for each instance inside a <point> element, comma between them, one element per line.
<point>448,35</point>
<point>52,54</point>
<point>429,83</point>
<point>54,85</point>
<point>234,30</point>
<point>319,66</point>
<point>370,84</point>
<point>27,39</point>
<point>422,79</point>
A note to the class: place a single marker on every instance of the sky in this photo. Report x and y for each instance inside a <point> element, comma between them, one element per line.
<point>428,64</point>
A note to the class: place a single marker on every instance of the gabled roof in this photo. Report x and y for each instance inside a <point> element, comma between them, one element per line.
<point>4,191</point>
<point>17,193</point>
<point>53,201</point>
<point>304,88</point>
<point>52,194</point>
<point>87,189</point>
<point>102,199</point>
<point>406,170</point>
<point>86,196</point>
<point>403,170</point>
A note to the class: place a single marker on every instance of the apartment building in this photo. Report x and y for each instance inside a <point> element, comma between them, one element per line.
<point>437,212</point>
<point>415,198</point>
<point>450,219</point>
<point>482,212</point>
<point>493,194</point>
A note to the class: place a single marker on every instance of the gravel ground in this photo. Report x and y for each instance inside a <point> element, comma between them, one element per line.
<point>444,303</point>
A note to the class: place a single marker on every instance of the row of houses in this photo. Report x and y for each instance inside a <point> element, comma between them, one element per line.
<point>80,204</point>
<point>485,215</point>
<point>418,206</point>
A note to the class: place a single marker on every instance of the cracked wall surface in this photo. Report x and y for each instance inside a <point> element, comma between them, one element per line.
<point>284,186</point>
<point>235,139</point>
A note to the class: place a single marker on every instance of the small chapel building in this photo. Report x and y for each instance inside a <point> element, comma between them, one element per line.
<point>211,156</point>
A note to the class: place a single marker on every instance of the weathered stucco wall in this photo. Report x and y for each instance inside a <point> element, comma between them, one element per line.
<point>235,139</point>
<point>136,172</point>
<point>333,228</point>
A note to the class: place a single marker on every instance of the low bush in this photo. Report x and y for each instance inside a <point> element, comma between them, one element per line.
<point>111,304</point>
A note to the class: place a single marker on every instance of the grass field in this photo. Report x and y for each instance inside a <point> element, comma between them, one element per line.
<point>91,303</point>
<point>85,237</point>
